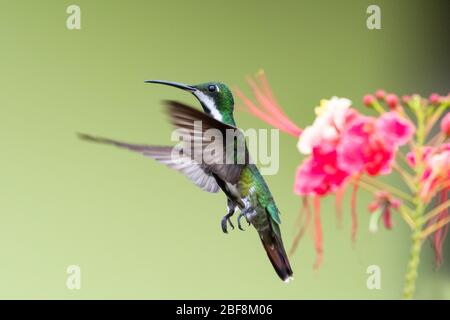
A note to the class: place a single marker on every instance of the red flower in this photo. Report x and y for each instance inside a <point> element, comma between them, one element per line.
<point>369,144</point>
<point>320,173</point>
<point>436,174</point>
<point>362,149</point>
<point>381,208</point>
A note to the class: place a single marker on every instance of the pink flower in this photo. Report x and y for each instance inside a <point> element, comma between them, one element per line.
<point>436,175</point>
<point>343,147</point>
<point>394,129</point>
<point>381,208</point>
<point>411,156</point>
<point>320,173</point>
<point>445,124</point>
<point>361,149</point>
<point>369,144</point>
<point>332,115</point>
<point>351,143</point>
<point>437,169</point>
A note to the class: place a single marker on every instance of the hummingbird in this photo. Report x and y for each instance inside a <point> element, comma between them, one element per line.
<point>241,181</point>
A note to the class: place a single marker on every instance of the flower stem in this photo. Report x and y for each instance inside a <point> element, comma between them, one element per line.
<point>377,107</point>
<point>383,186</point>
<point>368,187</point>
<point>406,216</point>
<point>409,180</point>
<point>436,210</point>
<point>413,264</point>
<point>435,227</point>
<point>437,114</point>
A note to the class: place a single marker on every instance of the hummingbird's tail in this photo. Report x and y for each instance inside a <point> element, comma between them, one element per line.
<point>271,240</point>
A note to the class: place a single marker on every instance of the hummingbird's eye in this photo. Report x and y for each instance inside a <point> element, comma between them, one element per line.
<point>212,88</point>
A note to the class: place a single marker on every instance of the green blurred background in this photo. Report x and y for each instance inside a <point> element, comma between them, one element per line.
<point>139,230</point>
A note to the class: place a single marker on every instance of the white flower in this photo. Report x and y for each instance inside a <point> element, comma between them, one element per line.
<point>330,120</point>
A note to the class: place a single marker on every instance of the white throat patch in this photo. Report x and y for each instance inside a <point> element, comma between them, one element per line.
<point>209,103</point>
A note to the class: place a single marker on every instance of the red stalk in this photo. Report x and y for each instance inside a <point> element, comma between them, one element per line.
<point>440,234</point>
<point>339,197</point>
<point>318,233</point>
<point>302,230</point>
<point>353,208</point>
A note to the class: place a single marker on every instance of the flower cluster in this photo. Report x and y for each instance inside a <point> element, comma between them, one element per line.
<point>436,175</point>
<point>342,146</point>
<point>343,143</point>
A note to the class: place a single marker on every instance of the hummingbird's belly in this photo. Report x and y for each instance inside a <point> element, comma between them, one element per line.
<point>233,189</point>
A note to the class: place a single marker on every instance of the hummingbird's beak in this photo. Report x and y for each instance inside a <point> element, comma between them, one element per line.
<point>173,84</point>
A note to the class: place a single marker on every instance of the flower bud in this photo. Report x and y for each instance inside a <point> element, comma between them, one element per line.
<point>434,98</point>
<point>380,94</point>
<point>392,101</point>
<point>368,100</point>
<point>445,124</point>
<point>406,98</point>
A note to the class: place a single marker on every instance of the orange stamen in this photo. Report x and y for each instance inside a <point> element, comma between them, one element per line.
<point>271,107</point>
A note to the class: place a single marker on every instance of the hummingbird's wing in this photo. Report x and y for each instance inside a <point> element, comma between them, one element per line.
<point>198,128</point>
<point>199,174</point>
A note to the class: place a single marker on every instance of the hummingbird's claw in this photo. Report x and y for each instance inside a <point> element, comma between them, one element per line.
<point>227,218</point>
<point>242,214</point>
<point>224,221</point>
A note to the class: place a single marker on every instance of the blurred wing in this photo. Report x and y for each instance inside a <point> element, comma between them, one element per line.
<point>199,174</point>
<point>201,130</point>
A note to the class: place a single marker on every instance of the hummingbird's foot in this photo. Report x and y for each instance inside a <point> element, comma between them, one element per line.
<point>224,221</point>
<point>227,217</point>
<point>242,214</point>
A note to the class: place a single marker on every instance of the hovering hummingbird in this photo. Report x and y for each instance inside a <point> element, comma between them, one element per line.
<point>241,182</point>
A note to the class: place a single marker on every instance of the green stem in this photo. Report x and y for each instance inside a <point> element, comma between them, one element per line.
<point>414,259</point>
<point>420,126</point>
<point>383,186</point>
<point>417,237</point>
<point>435,117</point>
<point>377,106</point>
<point>413,264</point>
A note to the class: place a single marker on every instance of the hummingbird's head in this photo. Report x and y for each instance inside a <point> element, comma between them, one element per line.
<point>215,97</point>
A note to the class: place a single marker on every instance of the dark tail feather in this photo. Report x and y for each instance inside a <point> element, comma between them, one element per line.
<point>277,255</point>
<point>129,146</point>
